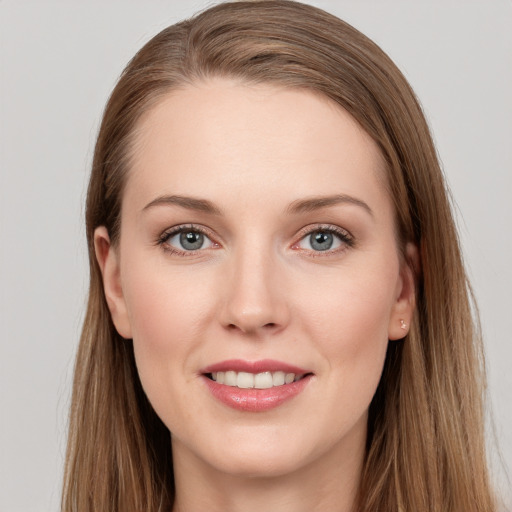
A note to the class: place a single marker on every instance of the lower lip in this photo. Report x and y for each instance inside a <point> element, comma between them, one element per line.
<point>256,400</point>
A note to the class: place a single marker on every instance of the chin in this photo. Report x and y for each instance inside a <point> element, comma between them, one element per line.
<point>262,454</point>
<point>258,466</point>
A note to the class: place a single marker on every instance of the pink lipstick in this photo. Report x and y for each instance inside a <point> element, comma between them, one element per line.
<point>254,385</point>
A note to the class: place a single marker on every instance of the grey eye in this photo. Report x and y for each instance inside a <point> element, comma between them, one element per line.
<point>189,240</point>
<point>321,241</point>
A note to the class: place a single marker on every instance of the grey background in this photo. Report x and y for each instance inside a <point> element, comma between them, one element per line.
<point>59,61</point>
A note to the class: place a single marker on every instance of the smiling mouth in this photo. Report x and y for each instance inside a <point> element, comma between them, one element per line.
<point>255,386</point>
<point>263,380</point>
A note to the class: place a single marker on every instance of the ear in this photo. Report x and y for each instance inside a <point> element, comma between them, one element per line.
<point>405,302</point>
<point>108,260</point>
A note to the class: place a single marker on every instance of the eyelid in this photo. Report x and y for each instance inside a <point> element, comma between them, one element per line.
<point>180,228</point>
<point>345,236</point>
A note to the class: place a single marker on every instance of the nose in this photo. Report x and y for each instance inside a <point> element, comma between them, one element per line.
<point>254,294</point>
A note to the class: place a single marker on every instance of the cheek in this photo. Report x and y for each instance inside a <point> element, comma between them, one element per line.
<point>167,314</point>
<point>350,304</point>
<point>348,320</point>
<point>165,305</point>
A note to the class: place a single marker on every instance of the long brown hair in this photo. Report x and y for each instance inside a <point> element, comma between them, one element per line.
<point>425,447</point>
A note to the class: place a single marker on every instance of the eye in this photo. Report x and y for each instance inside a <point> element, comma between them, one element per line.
<point>324,239</point>
<point>186,239</point>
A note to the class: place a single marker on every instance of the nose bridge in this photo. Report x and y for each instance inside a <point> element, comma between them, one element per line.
<point>253,298</point>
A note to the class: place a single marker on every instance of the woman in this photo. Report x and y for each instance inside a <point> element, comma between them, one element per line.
<point>278,316</point>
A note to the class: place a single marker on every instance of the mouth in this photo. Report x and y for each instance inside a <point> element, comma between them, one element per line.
<point>262,380</point>
<point>255,386</point>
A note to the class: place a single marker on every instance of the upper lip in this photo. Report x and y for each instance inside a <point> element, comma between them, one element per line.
<point>263,365</point>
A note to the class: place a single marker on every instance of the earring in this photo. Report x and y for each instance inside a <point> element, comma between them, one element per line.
<point>403,325</point>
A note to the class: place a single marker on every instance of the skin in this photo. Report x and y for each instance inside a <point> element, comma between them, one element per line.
<point>258,290</point>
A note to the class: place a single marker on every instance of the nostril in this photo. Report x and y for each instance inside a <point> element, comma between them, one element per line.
<point>248,329</point>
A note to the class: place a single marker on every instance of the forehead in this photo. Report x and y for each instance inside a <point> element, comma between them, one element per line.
<point>226,139</point>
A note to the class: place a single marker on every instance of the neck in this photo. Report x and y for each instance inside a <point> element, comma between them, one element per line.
<point>329,483</point>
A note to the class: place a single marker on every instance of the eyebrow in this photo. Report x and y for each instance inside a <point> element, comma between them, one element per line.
<point>296,207</point>
<point>316,203</point>
<point>190,203</point>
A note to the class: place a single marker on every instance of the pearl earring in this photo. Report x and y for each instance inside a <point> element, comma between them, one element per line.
<point>403,325</point>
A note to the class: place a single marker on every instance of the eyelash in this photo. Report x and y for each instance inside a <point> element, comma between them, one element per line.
<point>346,239</point>
<point>344,236</point>
<point>164,238</point>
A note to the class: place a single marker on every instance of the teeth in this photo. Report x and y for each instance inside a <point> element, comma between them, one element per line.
<point>245,380</point>
<point>264,380</point>
<point>278,378</point>
<point>230,378</point>
<point>289,378</point>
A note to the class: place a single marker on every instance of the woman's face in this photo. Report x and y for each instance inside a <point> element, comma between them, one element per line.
<point>257,247</point>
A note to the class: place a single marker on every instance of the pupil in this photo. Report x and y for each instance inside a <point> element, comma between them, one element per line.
<point>321,241</point>
<point>191,240</point>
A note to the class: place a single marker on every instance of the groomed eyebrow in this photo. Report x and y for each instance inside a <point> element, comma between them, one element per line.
<point>315,203</point>
<point>190,203</point>
<point>299,206</point>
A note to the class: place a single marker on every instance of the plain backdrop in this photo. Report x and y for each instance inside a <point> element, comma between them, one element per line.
<point>60,60</point>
